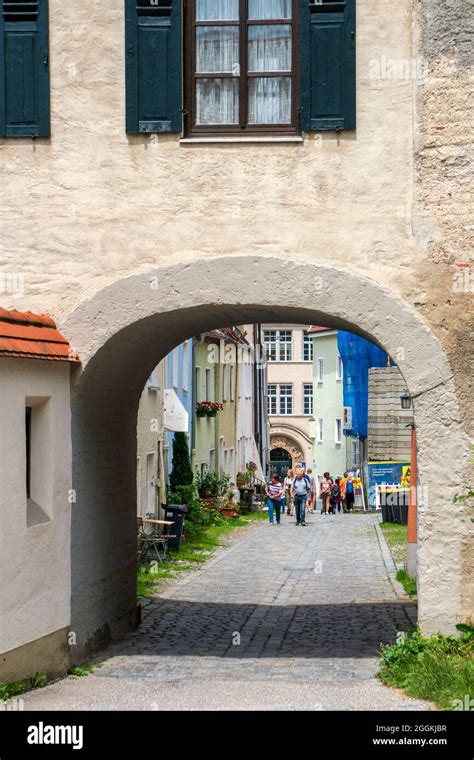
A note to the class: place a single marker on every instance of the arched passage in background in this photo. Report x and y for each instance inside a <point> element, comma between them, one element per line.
<point>280,461</point>
<point>123,331</point>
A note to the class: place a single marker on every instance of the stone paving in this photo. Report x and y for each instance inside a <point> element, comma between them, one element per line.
<point>286,617</point>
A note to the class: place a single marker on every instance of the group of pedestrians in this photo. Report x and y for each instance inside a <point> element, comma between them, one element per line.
<point>297,495</point>
<point>337,495</point>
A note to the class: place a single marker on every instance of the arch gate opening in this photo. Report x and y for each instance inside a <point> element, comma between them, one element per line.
<point>280,462</point>
<point>121,334</point>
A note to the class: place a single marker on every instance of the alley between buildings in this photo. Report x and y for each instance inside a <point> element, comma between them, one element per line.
<point>284,617</point>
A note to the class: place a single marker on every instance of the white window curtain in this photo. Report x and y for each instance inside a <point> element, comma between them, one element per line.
<point>217,101</point>
<point>217,10</point>
<point>270,47</point>
<point>269,100</point>
<point>263,9</point>
<point>217,49</point>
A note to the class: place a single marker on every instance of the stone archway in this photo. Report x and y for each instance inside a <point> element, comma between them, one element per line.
<point>279,441</point>
<point>124,330</point>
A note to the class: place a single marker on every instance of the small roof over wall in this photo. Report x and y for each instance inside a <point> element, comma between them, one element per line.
<point>318,329</point>
<point>33,336</point>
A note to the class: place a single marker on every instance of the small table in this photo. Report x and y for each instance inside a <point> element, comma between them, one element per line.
<point>154,544</point>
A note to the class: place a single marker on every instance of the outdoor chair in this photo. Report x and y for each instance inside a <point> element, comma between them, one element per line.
<point>153,544</point>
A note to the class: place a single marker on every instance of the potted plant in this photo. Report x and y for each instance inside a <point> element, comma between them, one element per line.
<point>211,484</point>
<point>208,408</point>
<point>228,509</point>
<point>241,479</point>
<point>251,469</point>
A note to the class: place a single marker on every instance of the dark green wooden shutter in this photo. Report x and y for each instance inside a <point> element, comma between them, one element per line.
<point>153,66</point>
<point>328,85</point>
<point>24,69</point>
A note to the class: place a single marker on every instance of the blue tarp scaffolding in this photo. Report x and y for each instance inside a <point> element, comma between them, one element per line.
<point>358,355</point>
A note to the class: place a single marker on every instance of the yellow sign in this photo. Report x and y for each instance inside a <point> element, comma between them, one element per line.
<point>406,475</point>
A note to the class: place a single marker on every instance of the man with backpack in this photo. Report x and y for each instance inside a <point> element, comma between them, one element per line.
<point>300,490</point>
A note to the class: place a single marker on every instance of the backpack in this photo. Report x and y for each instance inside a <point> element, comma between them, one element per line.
<point>307,481</point>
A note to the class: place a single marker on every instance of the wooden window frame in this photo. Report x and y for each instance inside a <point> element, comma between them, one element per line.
<point>190,24</point>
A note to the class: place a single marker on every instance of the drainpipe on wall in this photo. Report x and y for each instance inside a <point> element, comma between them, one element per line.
<point>411,553</point>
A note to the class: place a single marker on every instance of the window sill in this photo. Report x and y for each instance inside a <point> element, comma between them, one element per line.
<point>237,139</point>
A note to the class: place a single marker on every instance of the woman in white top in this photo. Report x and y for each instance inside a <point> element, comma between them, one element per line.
<point>312,494</point>
<point>287,483</point>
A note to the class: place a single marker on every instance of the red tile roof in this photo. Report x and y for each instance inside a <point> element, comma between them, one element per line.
<point>229,334</point>
<point>33,336</point>
<point>318,329</point>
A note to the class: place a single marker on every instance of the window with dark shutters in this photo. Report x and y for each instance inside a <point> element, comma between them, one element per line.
<point>153,66</point>
<point>324,100</point>
<point>24,69</point>
<point>328,95</point>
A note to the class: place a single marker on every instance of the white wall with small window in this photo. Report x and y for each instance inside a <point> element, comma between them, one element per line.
<point>319,430</point>
<point>37,496</point>
<point>338,431</point>
<point>319,369</point>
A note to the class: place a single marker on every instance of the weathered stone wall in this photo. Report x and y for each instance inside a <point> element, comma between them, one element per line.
<point>442,211</point>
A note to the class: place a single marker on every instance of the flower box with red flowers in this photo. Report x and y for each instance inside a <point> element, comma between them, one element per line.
<point>208,408</point>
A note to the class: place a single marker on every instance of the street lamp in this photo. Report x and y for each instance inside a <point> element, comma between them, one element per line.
<point>405,398</point>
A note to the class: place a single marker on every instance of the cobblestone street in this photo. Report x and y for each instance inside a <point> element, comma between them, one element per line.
<point>285,617</point>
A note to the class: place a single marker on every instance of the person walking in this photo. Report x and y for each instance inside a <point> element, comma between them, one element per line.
<point>343,491</point>
<point>274,491</point>
<point>349,493</point>
<point>287,486</point>
<point>299,491</point>
<point>312,494</point>
<point>325,492</point>
<point>336,494</point>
